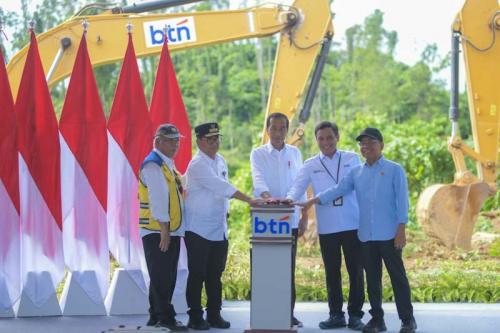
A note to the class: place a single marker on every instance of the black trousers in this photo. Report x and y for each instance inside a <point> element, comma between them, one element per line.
<point>332,245</point>
<point>373,254</point>
<point>162,268</point>
<point>206,263</point>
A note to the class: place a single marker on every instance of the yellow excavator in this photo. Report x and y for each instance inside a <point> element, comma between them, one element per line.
<point>449,212</point>
<point>305,32</point>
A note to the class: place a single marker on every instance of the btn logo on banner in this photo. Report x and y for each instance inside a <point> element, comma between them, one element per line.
<point>179,30</point>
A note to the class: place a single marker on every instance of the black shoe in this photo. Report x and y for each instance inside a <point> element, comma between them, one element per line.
<point>152,321</point>
<point>335,321</point>
<point>296,322</point>
<point>375,325</point>
<point>408,326</point>
<point>217,321</point>
<point>173,325</point>
<point>199,325</point>
<point>355,324</point>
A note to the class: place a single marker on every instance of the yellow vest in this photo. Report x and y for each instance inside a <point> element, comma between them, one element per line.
<point>175,197</point>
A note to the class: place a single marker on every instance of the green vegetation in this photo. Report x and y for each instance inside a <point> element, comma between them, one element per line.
<point>436,273</point>
<point>363,84</point>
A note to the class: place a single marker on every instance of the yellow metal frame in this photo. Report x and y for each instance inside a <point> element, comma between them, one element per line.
<point>477,26</point>
<point>298,47</point>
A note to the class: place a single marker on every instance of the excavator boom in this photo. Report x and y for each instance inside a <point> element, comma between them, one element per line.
<point>303,28</point>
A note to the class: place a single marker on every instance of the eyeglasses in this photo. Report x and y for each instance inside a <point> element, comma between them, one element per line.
<point>212,139</point>
<point>366,143</point>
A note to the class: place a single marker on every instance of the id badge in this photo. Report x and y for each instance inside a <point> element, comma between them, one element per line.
<point>338,202</point>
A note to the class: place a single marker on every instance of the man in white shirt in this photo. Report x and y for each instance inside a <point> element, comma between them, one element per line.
<point>337,225</point>
<point>274,168</point>
<point>207,206</point>
<point>161,225</point>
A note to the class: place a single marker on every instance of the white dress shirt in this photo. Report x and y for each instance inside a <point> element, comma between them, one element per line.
<point>159,196</point>
<point>274,171</point>
<point>330,218</point>
<point>208,194</point>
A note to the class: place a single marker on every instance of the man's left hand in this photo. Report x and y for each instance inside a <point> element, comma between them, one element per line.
<point>164,239</point>
<point>400,239</point>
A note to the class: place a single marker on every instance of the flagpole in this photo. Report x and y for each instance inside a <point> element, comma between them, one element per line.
<point>129,29</point>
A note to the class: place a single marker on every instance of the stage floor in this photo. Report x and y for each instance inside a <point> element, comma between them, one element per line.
<point>431,318</point>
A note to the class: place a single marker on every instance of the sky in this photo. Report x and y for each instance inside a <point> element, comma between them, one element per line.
<point>417,22</point>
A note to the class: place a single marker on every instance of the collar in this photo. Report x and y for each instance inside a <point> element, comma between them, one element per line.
<point>378,162</point>
<point>205,156</point>
<point>168,161</point>
<point>270,148</point>
<point>323,156</point>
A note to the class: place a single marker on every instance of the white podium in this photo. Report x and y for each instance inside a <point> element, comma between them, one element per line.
<point>271,269</point>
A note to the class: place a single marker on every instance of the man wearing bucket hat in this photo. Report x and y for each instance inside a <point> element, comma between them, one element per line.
<point>207,206</point>
<point>161,224</point>
<point>382,195</point>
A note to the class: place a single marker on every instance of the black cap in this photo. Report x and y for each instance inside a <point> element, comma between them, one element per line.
<point>207,129</point>
<point>370,132</point>
<point>168,131</point>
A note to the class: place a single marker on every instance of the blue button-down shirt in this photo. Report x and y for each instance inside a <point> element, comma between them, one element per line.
<point>382,194</point>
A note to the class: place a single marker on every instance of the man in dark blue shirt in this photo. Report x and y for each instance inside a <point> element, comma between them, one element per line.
<point>382,195</point>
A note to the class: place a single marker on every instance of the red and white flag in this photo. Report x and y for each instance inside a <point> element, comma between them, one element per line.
<point>84,179</point>
<point>130,140</point>
<point>167,106</point>
<point>10,279</point>
<point>42,262</point>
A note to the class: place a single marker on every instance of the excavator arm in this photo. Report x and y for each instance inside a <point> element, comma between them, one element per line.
<point>303,28</point>
<point>449,212</point>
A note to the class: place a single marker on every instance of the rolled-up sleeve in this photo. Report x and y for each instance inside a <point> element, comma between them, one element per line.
<point>401,195</point>
<point>158,193</point>
<point>258,179</point>
<point>207,178</point>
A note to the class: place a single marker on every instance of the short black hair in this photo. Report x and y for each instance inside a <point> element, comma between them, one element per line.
<point>326,124</point>
<point>276,115</point>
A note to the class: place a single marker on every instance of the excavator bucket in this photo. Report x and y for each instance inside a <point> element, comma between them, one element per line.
<point>449,212</point>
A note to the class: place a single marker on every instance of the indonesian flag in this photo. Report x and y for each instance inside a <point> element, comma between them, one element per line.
<point>167,106</point>
<point>130,140</point>
<point>84,178</point>
<point>39,183</point>
<point>10,279</point>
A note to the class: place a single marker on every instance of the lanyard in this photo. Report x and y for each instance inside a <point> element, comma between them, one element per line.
<point>336,180</point>
<point>178,182</point>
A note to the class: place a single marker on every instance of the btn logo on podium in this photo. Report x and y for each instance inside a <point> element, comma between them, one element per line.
<point>263,226</point>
